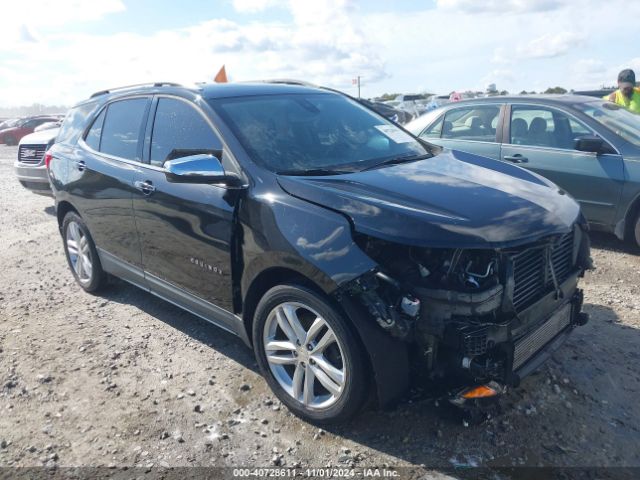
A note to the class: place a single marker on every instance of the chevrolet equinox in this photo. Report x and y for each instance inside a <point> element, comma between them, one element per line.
<point>344,251</point>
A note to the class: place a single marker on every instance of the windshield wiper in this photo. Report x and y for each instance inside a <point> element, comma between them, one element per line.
<point>399,159</point>
<point>313,171</point>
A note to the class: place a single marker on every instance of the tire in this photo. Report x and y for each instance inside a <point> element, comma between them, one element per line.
<point>9,140</point>
<point>81,254</point>
<point>331,357</point>
<point>633,231</point>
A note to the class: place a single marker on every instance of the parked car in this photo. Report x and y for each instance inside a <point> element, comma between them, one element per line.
<point>387,111</point>
<point>48,125</point>
<point>327,238</point>
<point>589,147</point>
<point>10,122</point>
<point>25,126</point>
<point>30,167</point>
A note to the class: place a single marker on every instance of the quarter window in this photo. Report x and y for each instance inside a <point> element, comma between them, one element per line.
<point>122,125</point>
<point>93,135</point>
<point>178,131</point>
<point>471,123</point>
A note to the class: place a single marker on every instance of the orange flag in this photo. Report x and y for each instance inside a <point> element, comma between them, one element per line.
<point>221,76</point>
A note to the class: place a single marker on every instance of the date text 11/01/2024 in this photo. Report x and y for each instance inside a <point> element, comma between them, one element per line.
<point>315,472</point>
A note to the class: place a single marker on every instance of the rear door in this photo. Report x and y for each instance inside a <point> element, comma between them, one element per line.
<point>542,139</point>
<point>185,229</point>
<point>470,128</point>
<point>101,177</point>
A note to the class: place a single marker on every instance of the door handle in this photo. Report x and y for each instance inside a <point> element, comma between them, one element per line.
<point>145,187</point>
<point>517,158</point>
<point>81,165</point>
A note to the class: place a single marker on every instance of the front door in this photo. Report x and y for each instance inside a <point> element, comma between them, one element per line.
<point>542,139</point>
<point>185,229</point>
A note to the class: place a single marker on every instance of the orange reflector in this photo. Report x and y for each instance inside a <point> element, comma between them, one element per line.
<point>480,392</point>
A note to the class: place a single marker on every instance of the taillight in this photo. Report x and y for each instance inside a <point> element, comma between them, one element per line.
<point>47,158</point>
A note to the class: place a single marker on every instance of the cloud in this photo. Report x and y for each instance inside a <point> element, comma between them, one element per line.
<point>321,43</point>
<point>499,6</point>
<point>253,6</point>
<point>551,45</point>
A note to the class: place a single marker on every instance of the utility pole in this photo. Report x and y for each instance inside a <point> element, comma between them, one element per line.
<point>358,86</point>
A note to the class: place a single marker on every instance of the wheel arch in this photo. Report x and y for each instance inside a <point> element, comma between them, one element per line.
<point>386,357</point>
<point>62,209</point>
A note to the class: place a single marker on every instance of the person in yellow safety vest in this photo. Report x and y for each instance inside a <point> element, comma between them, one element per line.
<point>627,95</point>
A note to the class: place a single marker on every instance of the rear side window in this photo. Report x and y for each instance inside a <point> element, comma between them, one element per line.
<point>122,127</point>
<point>75,122</point>
<point>180,130</point>
<point>434,130</point>
<point>471,123</point>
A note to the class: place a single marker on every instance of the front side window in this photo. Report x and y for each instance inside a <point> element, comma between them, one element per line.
<point>476,123</point>
<point>122,126</point>
<point>544,127</point>
<point>301,133</point>
<point>178,131</point>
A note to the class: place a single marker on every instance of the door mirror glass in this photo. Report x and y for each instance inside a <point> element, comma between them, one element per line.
<point>201,168</point>
<point>589,143</point>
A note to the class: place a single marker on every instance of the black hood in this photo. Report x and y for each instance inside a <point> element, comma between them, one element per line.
<point>453,199</point>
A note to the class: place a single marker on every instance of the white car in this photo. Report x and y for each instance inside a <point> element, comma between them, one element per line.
<point>29,166</point>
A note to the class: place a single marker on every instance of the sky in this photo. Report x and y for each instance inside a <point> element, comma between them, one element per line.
<point>60,51</point>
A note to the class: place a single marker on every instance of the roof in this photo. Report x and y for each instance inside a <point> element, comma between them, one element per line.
<point>542,99</point>
<point>211,90</point>
<point>223,90</point>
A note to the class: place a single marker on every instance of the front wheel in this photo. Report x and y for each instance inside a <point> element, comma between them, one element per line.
<point>9,140</point>
<point>81,253</point>
<point>633,231</point>
<point>308,354</point>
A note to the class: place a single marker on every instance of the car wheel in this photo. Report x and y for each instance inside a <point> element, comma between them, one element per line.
<point>634,232</point>
<point>9,140</point>
<point>81,253</point>
<point>309,356</point>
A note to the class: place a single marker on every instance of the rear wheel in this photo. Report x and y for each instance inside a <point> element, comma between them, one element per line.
<point>10,140</point>
<point>308,355</point>
<point>81,253</point>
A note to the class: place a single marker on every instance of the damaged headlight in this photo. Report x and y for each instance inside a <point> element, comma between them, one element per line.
<point>443,268</point>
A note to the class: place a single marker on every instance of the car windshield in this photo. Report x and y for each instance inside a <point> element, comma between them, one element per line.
<point>615,118</point>
<point>314,133</point>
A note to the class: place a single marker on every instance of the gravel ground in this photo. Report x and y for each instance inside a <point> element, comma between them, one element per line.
<point>126,379</point>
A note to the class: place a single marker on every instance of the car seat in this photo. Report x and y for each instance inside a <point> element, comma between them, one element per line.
<point>519,130</point>
<point>537,134</point>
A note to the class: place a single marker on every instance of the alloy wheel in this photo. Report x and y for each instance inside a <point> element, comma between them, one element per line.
<point>79,252</point>
<point>304,355</point>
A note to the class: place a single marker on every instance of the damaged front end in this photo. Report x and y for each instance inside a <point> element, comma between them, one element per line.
<point>479,316</point>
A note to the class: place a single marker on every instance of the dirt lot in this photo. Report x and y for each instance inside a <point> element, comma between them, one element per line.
<point>125,379</point>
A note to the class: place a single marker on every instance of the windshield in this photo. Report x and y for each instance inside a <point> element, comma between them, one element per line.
<point>294,134</point>
<point>615,118</point>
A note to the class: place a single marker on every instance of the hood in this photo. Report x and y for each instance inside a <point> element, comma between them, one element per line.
<point>41,137</point>
<point>453,199</point>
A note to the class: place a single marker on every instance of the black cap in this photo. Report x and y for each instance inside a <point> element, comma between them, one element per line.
<point>627,76</point>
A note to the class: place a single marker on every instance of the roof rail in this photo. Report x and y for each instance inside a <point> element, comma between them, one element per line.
<point>135,85</point>
<point>284,81</point>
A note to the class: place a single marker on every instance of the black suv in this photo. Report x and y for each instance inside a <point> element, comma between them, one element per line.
<point>330,240</point>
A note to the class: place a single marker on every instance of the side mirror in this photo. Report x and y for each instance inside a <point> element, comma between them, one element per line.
<point>590,143</point>
<point>201,168</point>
